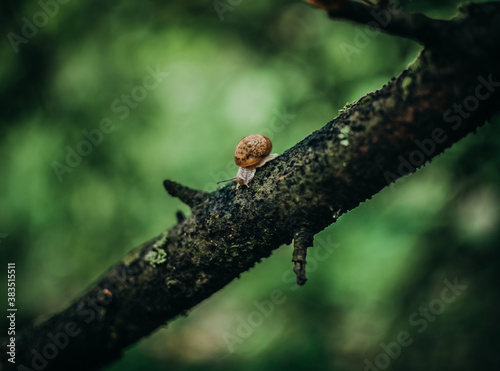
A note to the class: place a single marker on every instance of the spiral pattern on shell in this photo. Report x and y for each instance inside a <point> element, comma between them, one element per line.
<point>251,149</point>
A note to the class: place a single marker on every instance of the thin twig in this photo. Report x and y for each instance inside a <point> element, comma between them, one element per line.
<point>189,196</point>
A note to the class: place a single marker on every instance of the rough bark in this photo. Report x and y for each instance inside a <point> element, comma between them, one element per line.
<point>372,143</point>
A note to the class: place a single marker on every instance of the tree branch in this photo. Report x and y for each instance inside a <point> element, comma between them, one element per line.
<point>446,94</point>
<point>189,196</point>
<point>382,16</point>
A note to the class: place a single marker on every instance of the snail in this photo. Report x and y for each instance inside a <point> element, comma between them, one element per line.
<point>251,152</point>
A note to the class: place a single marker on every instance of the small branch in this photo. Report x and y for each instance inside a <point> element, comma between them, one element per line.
<point>189,196</point>
<point>414,26</point>
<point>304,238</point>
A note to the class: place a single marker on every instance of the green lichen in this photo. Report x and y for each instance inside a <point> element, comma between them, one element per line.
<point>346,108</point>
<point>345,130</point>
<point>405,85</point>
<point>156,256</point>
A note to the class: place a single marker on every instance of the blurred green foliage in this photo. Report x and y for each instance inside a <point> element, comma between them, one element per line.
<point>228,78</point>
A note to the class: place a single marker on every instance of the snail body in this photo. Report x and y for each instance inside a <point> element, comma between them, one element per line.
<point>251,152</point>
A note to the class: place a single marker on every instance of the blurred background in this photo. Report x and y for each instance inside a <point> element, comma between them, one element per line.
<point>102,101</point>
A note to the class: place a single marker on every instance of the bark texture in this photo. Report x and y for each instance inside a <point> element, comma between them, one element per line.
<point>372,143</point>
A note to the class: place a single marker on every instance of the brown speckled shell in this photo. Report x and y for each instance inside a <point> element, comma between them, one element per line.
<point>251,149</point>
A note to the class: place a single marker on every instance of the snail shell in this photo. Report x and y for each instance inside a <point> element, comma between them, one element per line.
<point>251,152</point>
<point>251,149</point>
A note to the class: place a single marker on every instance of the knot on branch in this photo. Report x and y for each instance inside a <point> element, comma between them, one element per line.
<point>189,196</point>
